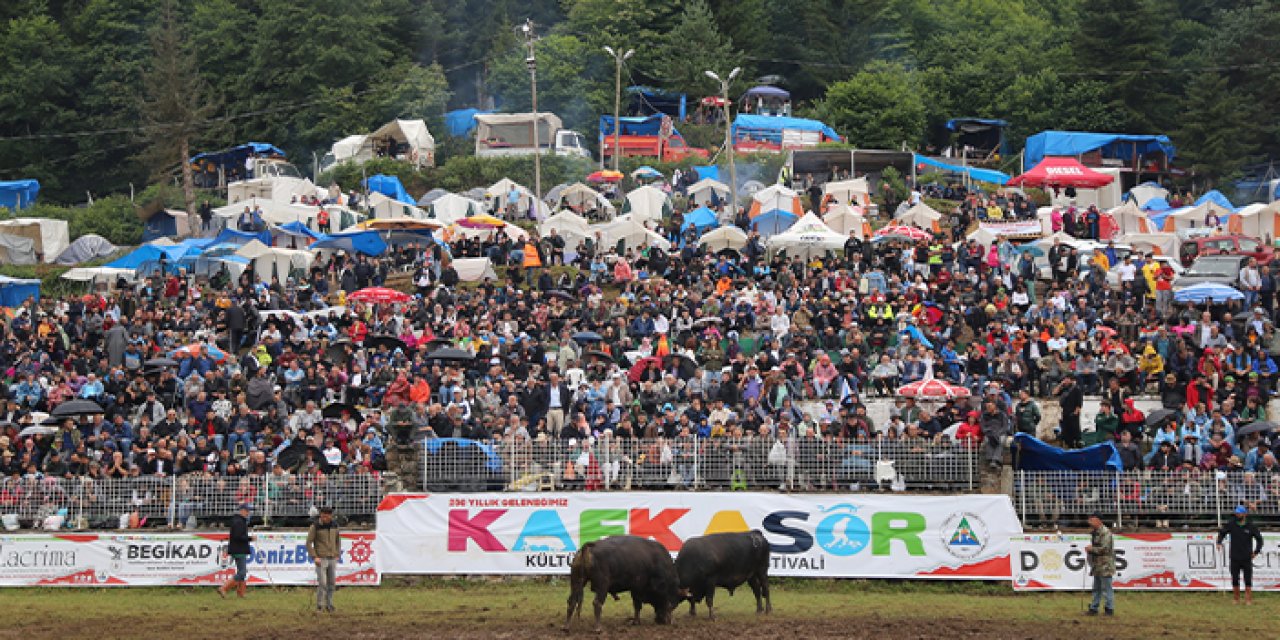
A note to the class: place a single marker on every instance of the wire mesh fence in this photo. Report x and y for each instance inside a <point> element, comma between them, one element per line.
<point>688,463</point>
<point>182,501</point>
<point>1143,498</point>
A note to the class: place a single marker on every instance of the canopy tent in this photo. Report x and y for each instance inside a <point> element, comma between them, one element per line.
<point>766,100</point>
<point>18,194</point>
<point>452,207</point>
<point>505,193</point>
<point>769,128</point>
<point>474,269</point>
<point>631,233</point>
<point>1129,218</point>
<point>774,209</point>
<point>1062,172</point>
<point>701,220</point>
<point>273,212</point>
<point>1116,146</point>
<point>807,237</point>
<point>280,188</point>
<point>269,262</point>
<point>51,237</point>
<point>982,134</point>
<point>1161,244</point>
<point>15,291</point>
<point>17,250</point>
<point>708,192</point>
<point>727,237</point>
<point>100,274</point>
<point>1194,217</point>
<point>581,198</point>
<point>647,203</point>
<point>1144,192</point>
<point>87,247</point>
<point>567,224</point>
<point>381,206</point>
<point>157,253</point>
<point>974,173</point>
<point>364,242</point>
<point>853,191</point>
<point>1262,221</point>
<point>846,219</point>
<point>407,140</point>
<point>460,122</point>
<point>921,215</point>
<point>431,196</point>
<point>388,186</point>
<point>649,101</point>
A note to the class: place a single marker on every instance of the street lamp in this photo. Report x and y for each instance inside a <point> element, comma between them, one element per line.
<point>728,137</point>
<point>532,62</point>
<point>618,59</point>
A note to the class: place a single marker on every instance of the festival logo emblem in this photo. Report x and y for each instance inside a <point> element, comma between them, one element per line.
<point>964,535</point>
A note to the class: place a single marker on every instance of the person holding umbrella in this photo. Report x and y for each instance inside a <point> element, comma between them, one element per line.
<point>1246,544</point>
<point>238,550</point>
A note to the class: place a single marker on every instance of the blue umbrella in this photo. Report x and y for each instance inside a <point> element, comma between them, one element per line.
<point>646,172</point>
<point>1030,248</point>
<point>1208,291</point>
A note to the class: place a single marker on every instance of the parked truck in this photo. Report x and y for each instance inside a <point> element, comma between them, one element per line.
<point>512,134</point>
<point>652,136</point>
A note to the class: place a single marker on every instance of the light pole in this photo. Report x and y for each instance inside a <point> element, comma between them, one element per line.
<point>532,62</point>
<point>618,59</point>
<point>728,138</point>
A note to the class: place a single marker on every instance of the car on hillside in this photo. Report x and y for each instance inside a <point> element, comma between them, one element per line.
<point>1219,269</point>
<point>1232,245</point>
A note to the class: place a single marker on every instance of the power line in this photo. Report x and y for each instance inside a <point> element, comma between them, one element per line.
<point>1078,74</point>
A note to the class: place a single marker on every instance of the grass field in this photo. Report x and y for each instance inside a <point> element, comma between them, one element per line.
<point>441,609</point>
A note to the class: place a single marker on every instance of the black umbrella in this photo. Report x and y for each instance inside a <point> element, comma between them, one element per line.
<point>438,343</point>
<point>450,354</point>
<point>335,409</point>
<point>337,350</point>
<point>685,365</point>
<point>563,295</point>
<point>1157,417</point>
<point>587,336</point>
<point>598,354</point>
<point>78,407</point>
<point>160,363</point>
<point>391,342</point>
<point>1255,427</point>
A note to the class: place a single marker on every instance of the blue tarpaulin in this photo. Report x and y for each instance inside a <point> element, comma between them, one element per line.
<point>232,236</point>
<point>1112,145</point>
<point>1156,204</point>
<point>148,253</point>
<point>648,101</point>
<point>491,460</point>
<point>636,126</point>
<point>460,122</point>
<point>702,219</point>
<point>235,155</point>
<point>773,222</point>
<point>981,175</point>
<point>296,228</point>
<point>366,242</point>
<point>15,291</point>
<point>1033,454</point>
<point>18,194</point>
<point>707,173</point>
<point>389,186</point>
<point>770,127</point>
<point>1217,198</point>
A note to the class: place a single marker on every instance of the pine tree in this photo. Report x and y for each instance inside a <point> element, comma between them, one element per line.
<point>1216,130</point>
<point>1124,43</point>
<point>693,47</point>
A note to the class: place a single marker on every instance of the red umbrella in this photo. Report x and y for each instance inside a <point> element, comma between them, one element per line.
<point>932,389</point>
<point>1062,172</point>
<point>903,231</point>
<point>639,367</point>
<point>378,295</point>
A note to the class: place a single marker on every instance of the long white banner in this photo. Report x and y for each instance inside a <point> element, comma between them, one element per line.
<point>827,536</point>
<point>1169,561</point>
<point>106,560</point>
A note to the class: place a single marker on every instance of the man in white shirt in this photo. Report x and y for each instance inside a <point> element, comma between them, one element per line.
<point>1127,271</point>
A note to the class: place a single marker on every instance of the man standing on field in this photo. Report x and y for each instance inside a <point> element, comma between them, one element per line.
<point>1246,544</point>
<point>324,545</point>
<point>1102,564</point>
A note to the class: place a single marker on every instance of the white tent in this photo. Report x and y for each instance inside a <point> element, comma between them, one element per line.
<point>1130,218</point>
<point>17,249</point>
<point>87,247</point>
<point>853,191</point>
<point>726,237</point>
<point>275,261</point>
<point>647,203</point>
<point>273,212</point>
<point>100,274</point>
<point>573,227</point>
<point>1140,194</point>
<point>51,237</point>
<point>352,148</point>
<point>983,236</point>
<point>452,207</point>
<point>500,195</point>
<point>700,194</point>
<point>1257,221</point>
<point>807,237</point>
<point>280,189</point>
<point>921,215</point>
<point>631,232</point>
<point>846,219</point>
<point>1165,244</point>
<point>474,269</point>
<point>380,206</point>
<point>510,230</point>
<point>581,198</point>
<point>1193,217</point>
<point>421,146</point>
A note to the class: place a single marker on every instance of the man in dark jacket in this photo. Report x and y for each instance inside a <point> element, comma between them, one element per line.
<point>1246,544</point>
<point>325,546</point>
<point>238,549</point>
<point>1071,399</point>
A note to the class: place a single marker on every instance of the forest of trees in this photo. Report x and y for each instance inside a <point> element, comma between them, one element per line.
<point>96,95</point>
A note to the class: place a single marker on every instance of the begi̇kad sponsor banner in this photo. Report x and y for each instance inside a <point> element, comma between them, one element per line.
<point>98,560</point>
<point>1168,561</point>
<point>852,536</point>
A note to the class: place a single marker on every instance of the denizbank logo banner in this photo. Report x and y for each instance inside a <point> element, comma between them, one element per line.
<point>826,536</point>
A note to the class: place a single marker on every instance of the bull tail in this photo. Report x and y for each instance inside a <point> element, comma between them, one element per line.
<point>579,574</point>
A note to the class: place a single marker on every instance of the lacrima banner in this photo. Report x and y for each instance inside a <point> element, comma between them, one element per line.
<point>821,536</point>
<point>163,559</point>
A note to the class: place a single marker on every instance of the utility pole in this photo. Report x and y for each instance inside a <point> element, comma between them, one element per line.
<point>618,58</point>
<point>728,137</point>
<point>532,62</point>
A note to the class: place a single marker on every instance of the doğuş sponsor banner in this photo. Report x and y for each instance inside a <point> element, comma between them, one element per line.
<point>1169,561</point>
<point>98,560</point>
<point>850,536</point>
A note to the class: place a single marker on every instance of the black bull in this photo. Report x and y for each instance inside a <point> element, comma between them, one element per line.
<point>724,560</point>
<point>624,563</point>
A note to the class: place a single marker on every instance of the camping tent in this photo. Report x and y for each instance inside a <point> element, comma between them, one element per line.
<point>505,192</point>
<point>87,247</point>
<point>51,237</point>
<point>846,219</point>
<point>727,237</point>
<point>1261,221</point>
<point>388,186</point>
<point>807,237</point>
<point>647,203</point>
<point>1162,244</point>
<point>17,249</point>
<point>1194,217</point>
<point>474,269</point>
<point>774,209</point>
<point>569,225</point>
<point>1130,218</point>
<point>273,212</point>
<point>164,223</point>
<point>631,232</point>
<point>1217,198</point>
<point>381,206</point>
<point>352,242</point>
<point>452,207</point>
<point>14,291</point>
<point>431,196</point>
<point>275,261</point>
<point>1146,191</point>
<point>701,219</point>
<point>18,194</point>
<point>707,192</point>
<point>581,198</point>
<point>853,191</point>
<point>412,140</point>
<point>921,215</point>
